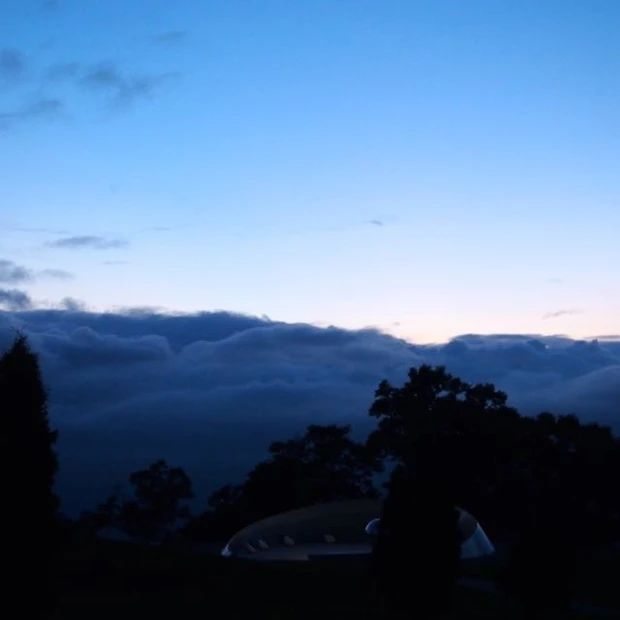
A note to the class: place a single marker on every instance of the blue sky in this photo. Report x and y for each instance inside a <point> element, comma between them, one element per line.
<point>427,167</point>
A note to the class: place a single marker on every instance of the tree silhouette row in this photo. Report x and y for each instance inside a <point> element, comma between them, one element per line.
<point>546,483</point>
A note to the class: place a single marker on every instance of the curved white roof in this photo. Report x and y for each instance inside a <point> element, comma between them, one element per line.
<point>336,528</point>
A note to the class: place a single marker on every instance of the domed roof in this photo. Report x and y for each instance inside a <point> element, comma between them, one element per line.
<point>335,528</point>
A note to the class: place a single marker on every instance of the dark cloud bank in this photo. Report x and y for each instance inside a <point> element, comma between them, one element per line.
<point>210,391</point>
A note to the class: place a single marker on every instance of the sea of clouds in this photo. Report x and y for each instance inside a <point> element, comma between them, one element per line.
<point>210,391</point>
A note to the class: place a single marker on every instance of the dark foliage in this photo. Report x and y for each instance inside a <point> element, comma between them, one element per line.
<point>156,510</point>
<point>501,464</point>
<point>542,482</point>
<point>541,570</point>
<point>416,558</point>
<point>158,505</point>
<point>323,465</point>
<point>30,520</point>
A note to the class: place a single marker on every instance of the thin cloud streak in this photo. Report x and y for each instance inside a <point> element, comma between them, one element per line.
<point>85,242</point>
<point>560,313</point>
<point>172,37</point>
<point>122,89</point>
<point>63,71</point>
<point>44,109</point>
<point>58,274</point>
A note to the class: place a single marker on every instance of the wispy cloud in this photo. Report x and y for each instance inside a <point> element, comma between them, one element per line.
<point>122,89</point>
<point>73,305</point>
<point>560,313</point>
<point>376,222</point>
<point>115,262</point>
<point>171,37</point>
<point>40,109</point>
<point>58,274</point>
<point>158,229</point>
<point>12,65</point>
<point>15,300</point>
<point>554,280</point>
<point>85,242</point>
<point>63,71</point>
<point>50,5</point>
<point>119,87</point>
<point>11,273</point>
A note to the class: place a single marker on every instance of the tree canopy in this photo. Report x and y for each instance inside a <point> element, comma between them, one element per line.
<point>156,509</point>
<point>324,464</point>
<point>501,465</point>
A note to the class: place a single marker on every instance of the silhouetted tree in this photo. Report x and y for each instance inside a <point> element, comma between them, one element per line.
<point>29,517</point>
<point>501,462</point>
<point>106,515</point>
<point>158,505</point>
<point>543,480</point>
<point>416,557</point>
<point>323,465</point>
<point>571,468</point>
<point>223,517</point>
<point>470,424</point>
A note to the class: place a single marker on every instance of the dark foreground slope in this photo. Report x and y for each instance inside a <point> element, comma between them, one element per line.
<point>123,580</point>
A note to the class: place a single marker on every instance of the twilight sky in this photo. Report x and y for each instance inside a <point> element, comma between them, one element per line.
<point>430,168</point>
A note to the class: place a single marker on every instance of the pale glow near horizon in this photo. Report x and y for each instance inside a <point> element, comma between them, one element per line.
<point>429,169</point>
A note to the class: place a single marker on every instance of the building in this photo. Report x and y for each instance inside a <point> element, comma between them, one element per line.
<point>343,528</point>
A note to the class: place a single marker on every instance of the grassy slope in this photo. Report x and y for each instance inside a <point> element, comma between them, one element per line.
<point>122,579</point>
<point>597,578</point>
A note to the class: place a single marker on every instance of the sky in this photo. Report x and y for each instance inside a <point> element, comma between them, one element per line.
<point>223,221</point>
<point>426,167</point>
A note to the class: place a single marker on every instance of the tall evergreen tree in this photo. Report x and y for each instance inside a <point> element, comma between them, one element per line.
<point>28,471</point>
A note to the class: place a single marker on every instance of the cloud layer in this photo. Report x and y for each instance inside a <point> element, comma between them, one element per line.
<point>210,391</point>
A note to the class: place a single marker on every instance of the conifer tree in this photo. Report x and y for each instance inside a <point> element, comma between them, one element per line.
<point>29,466</point>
